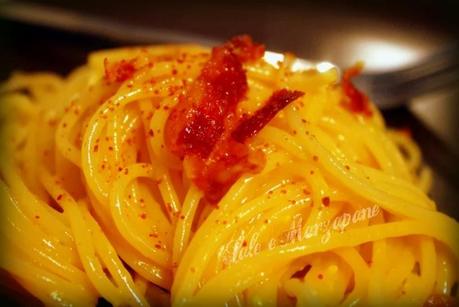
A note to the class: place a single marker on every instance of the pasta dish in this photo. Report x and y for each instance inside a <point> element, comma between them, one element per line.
<point>187,176</point>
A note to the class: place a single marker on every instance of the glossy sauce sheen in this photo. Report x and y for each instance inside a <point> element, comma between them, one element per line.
<point>204,129</point>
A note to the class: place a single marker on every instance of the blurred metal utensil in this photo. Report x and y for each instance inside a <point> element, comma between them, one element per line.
<point>299,64</point>
<point>394,88</point>
<point>67,20</point>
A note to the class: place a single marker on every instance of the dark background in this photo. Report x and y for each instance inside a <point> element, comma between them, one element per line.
<point>319,30</point>
<point>311,29</point>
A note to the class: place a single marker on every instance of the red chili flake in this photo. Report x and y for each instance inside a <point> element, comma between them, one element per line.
<point>244,244</point>
<point>119,71</point>
<point>315,158</point>
<point>174,71</point>
<point>347,167</point>
<point>143,215</point>
<point>320,276</point>
<point>158,246</point>
<point>110,148</point>
<point>37,217</point>
<point>326,201</point>
<point>355,101</point>
<point>59,197</point>
<point>182,217</point>
<point>311,172</point>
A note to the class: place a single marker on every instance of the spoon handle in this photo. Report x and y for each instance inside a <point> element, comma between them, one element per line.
<point>393,89</point>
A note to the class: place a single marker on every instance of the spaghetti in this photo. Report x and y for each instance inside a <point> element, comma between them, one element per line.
<point>197,177</point>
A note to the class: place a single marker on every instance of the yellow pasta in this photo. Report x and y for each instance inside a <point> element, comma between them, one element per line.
<point>96,205</point>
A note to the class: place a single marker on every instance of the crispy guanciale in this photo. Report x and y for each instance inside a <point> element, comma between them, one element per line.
<point>204,128</point>
<point>355,101</point>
